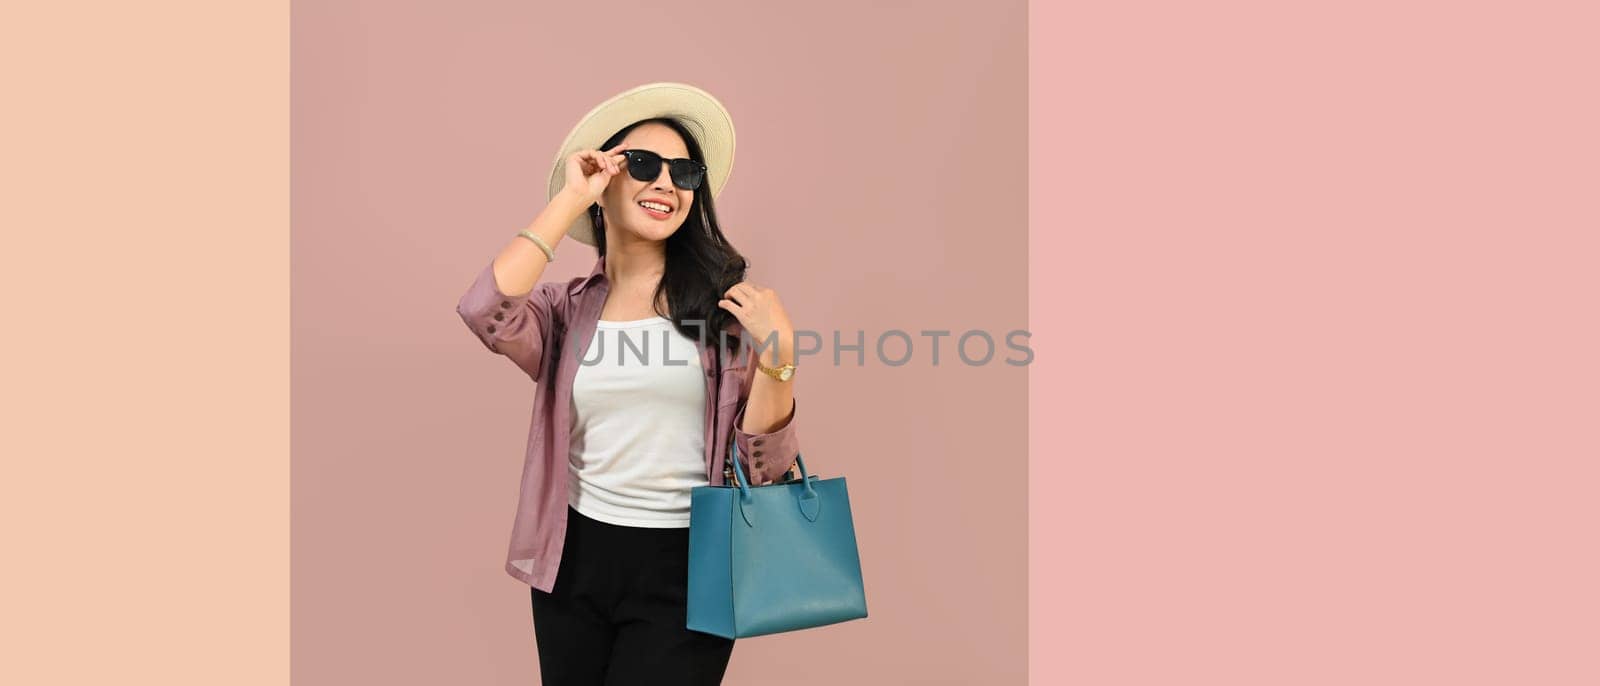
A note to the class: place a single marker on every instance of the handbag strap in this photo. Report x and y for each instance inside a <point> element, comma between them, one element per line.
<point>744,486</point>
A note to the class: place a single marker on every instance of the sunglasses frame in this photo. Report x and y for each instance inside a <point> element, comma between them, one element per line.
<point>676,167</point>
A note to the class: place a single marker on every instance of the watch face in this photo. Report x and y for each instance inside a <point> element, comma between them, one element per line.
<point>786,373</point>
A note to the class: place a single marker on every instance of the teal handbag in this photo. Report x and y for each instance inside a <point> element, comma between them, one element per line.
<point>773,558</point>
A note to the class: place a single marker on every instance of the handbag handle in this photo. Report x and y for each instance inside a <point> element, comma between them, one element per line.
<point>744,486</point>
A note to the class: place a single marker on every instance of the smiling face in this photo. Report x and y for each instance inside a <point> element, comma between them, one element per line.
<point>633,208</point>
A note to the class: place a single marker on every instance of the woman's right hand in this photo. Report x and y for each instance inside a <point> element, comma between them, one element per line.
<point>590,171</point>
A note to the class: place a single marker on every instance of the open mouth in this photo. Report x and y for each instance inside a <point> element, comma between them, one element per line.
<point>655,209</point>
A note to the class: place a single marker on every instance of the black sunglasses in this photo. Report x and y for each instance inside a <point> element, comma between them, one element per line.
<point>646,166</point>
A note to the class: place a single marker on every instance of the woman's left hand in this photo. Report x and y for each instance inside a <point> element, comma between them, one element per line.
<point>761,313</point>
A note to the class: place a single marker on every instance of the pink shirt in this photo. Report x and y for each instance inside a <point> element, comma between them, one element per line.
<point>544,332</point>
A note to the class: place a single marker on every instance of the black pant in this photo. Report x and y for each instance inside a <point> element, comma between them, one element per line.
<point>615,616</point>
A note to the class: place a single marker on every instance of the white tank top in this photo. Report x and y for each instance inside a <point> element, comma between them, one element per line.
<point>638,425</point>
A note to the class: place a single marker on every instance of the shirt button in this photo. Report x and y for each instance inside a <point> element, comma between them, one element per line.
<point>491,328</point>
<point>499,316</point>
<point>758,453</point>
<point>760,464</point>
<point>756,442</point>
<point>504,304</point>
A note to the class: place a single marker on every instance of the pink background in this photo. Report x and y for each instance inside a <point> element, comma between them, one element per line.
<point>1314,296</point>
<point>879,184</point>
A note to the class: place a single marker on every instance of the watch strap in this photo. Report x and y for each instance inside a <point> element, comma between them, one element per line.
<point>776,373</point>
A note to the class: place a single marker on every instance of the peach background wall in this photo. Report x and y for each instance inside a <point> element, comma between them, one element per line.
<point>880,183</point>
<point>144,376</point>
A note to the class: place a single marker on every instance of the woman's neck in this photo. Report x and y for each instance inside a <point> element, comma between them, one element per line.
<point>634,264</point>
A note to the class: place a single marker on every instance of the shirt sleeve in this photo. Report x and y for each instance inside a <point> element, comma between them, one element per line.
<point>513,326</point>
<point>766,456</point>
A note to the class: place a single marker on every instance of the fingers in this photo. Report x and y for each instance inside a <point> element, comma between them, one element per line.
<point>741,297</point>
<point>592,161</point>
<point>614,157</point>
<point>746,293</point>
<point>731,306</point>
<point>585,164</point>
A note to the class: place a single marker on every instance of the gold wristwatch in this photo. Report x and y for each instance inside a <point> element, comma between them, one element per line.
<point>783,373</point>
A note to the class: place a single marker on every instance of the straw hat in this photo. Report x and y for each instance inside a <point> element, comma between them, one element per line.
<point>699,112</point>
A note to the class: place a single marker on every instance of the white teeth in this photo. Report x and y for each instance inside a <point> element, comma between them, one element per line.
<point>655,206</point>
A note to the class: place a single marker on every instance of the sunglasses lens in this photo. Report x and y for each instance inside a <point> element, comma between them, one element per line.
<point>644,165</point>
<point>688,174</point>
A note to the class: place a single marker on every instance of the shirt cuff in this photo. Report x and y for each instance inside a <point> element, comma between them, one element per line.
<point>509,325</point>
<point>768,455</point>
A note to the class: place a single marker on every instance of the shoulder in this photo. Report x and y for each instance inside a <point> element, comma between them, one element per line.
<point>549,295</point>
<point>551,298</point>
<point>561,289</point>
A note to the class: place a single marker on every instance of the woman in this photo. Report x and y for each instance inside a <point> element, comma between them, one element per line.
<point>637,396</point>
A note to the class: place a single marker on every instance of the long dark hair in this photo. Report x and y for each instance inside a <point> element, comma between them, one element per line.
<point>701,264</point>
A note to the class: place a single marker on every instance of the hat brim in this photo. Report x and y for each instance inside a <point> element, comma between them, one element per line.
<point>699,112</point>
